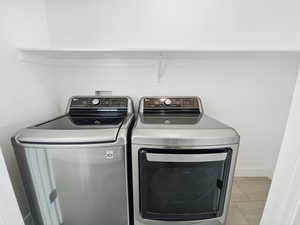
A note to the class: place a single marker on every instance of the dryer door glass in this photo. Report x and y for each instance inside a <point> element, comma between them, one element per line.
<point>177,185</point>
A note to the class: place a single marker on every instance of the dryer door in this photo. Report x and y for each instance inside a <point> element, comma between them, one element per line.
<point>182,185</point>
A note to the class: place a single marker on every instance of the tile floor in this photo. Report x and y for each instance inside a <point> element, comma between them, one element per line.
<point>248,199</point>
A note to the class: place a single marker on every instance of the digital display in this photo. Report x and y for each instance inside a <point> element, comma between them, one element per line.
<point>166,103</point>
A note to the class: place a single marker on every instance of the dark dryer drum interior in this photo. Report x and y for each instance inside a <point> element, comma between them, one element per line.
<point>190,190</point>
<point>182,163</point>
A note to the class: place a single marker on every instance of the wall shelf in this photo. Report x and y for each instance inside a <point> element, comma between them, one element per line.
<point>63,52</point>
<point>65,57</point>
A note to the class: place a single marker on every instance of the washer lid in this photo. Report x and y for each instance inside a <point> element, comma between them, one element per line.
<point>69,129</point>
<point>81,122</point>
<point>84,136</point>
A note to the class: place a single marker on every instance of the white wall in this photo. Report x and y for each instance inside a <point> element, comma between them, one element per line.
<point>189,24</point>
<point>283,204</point>
<point>9,209</point>
<point>26,22</point>
<point>251,92</point>
<point>25,89</point>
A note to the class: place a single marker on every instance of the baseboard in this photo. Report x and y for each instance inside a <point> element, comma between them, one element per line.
<point>253,173</point>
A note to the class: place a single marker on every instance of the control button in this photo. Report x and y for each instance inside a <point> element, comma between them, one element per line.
<point>95,101</point>
<point>168,101</point>
<point>97,122</point>
<point>167,122</point>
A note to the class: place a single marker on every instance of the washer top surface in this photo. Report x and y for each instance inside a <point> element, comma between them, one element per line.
<point>90,119</point>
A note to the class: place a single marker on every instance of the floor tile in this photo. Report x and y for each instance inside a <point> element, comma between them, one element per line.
<point>266,179</point>
<point>235,217</point>
<point>254,190</point>
<point>252,211</point>
<point>248,200</point>
<point>237,195</point>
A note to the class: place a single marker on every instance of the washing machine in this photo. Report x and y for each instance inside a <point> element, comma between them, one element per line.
<point>183,163</point>
<point>74,167</point>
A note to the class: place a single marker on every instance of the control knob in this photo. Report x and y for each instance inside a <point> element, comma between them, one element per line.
<point>168,101</point>
<point>95,101</point>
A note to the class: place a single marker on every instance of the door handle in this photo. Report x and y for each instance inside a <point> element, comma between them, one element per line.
<point>157,157</point>
<point>53,196</point>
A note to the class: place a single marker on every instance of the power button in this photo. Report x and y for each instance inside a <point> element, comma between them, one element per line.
<point>95,101</point>
<point>168,101</point>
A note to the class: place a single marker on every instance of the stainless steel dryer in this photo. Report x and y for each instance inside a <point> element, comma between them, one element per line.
<point>74,167</point>
<point>183,163</point>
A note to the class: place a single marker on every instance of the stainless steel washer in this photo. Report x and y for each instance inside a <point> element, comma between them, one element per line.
<point>183,163</point>
<point>74,167</point>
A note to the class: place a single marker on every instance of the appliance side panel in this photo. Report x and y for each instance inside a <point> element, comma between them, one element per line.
<point>28,183</point>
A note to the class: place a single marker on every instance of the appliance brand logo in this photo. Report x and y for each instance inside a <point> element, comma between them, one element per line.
<point>109,155</point>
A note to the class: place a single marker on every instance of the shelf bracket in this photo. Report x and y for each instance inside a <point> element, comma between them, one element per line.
<point>161,65</point>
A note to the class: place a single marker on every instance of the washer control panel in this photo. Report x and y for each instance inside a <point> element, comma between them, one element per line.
<point>168,104</point>
<point>99,102</point>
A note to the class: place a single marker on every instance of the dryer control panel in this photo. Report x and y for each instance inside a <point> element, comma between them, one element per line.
<point>171,105</point>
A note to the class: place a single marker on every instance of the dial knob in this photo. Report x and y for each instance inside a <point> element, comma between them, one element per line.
<point>168,101</point>
<point>95,101</point>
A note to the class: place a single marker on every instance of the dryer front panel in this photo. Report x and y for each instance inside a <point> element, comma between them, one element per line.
<point>172,185</point>
<point>181,185</point>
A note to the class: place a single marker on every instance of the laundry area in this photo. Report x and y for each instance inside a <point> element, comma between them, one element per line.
<point>139,112</point>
